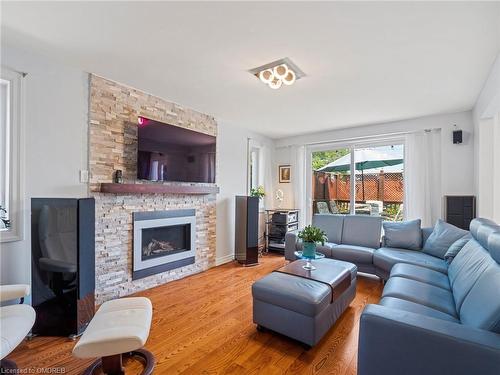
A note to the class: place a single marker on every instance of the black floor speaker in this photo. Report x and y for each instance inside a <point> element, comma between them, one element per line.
<point>460,210</point>
<point>247,230</point>
<point>63,265</point>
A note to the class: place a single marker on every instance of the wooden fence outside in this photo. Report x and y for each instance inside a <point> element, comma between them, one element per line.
<point>385,187</point>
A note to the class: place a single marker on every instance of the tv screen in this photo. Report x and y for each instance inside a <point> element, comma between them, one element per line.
<point>170,153</point>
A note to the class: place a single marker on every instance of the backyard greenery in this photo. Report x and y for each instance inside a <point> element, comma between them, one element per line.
<point>322,158</point>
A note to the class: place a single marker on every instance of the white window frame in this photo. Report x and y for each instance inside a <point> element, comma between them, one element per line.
<point>14,156</point>
<point>352,145</point>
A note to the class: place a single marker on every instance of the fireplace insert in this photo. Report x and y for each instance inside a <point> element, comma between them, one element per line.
<point>167,240</point>
<point>163,240</point>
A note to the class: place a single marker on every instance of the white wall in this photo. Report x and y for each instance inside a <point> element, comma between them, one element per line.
<point>55,143</point>
<point>486,115</point>
<point>457,161</point>
<point>232,180</point>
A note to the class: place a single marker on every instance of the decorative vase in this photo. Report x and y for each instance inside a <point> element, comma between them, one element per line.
<point>309,249</point>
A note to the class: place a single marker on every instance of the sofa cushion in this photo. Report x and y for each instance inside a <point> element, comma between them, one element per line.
<point>401,304</point>
<point>494,246</point>
<point>483,233</point>
<point>455,248</point>
<point>353,254</point>
<point>386,257</point>
<point>404,234</point>
<point>331,224</point>
<point>422,293</point>
<point>475,224</point>
<point>466,269</point>
<point>441,238</point>
<point>426,232</point>
<point>294,293</point>
<point>362,231</point>
<point>481,306</point>
<point>418,273</point>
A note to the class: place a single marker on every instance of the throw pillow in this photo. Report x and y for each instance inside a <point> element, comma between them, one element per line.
<point>441,238</point>
<point>455,248</point>
<point>404,234</point>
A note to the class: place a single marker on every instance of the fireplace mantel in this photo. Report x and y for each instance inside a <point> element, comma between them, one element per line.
<point>157,188</point>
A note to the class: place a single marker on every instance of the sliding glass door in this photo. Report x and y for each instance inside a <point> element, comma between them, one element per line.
<point>360,179</point>
<point>331,189</point>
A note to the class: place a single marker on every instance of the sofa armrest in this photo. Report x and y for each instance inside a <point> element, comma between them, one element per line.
<point>397,342</point>
<point>290,245</point>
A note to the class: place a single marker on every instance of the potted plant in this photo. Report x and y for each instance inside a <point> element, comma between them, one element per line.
<point>310,237</point>
<point>258,192</point>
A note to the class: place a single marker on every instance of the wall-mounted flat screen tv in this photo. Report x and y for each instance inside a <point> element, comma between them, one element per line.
<point>171,153</point>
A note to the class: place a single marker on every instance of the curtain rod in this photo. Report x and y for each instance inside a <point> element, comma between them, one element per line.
<point>368,137</point>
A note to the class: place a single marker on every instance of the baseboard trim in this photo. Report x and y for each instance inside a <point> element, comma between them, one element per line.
<point>224,259</point>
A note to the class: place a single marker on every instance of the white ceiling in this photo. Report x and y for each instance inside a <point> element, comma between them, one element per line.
<point>365,62</point>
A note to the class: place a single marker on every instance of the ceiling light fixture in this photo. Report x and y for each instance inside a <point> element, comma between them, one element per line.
<point>275,83</point>
<point>278,73</point>
<point>266,76</point>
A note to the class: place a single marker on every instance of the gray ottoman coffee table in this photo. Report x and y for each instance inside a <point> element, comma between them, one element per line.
<point>304,307</point>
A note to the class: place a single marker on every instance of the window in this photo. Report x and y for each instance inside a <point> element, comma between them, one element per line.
<point>10,155</point>
<point>358,179</point>
<point>256,167</point>
<point>253,173</point>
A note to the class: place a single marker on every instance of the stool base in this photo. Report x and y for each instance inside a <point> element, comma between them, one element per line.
<point>112,365</point>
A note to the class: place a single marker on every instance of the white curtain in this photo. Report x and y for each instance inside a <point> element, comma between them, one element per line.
<point>265,170</point>
<point>422,178</point>
<point>266,163</point>
<point>298,177</point>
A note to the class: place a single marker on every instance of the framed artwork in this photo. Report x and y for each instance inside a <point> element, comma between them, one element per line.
<point>284,172</point>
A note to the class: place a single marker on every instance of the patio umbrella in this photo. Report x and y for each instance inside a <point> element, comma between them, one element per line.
<point>365,159</point>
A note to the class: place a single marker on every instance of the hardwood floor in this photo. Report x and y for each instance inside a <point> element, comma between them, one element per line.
<point>203,325</point>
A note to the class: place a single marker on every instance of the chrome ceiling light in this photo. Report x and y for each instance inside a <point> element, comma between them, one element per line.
<point>278,73</point>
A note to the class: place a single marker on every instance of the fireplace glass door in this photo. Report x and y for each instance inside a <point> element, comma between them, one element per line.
<point>167,240</point>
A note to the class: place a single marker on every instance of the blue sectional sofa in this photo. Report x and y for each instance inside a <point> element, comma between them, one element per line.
<point>357,239</point>
<point>437,321</point>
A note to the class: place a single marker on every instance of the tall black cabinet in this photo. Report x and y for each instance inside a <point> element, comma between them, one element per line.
<point>63,265</point>
<point>246,247</point>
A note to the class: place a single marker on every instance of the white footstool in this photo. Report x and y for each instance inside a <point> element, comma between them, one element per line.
<point>119,327</point>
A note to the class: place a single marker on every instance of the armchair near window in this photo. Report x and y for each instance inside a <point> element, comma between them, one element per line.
<point>15,322</point>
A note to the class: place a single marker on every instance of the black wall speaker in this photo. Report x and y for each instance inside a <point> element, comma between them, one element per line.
<point>246,246</point>
<point>457,137</point>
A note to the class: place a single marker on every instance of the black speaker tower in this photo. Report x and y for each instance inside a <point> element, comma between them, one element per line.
<point>63,265</point>
<point>246,244</point>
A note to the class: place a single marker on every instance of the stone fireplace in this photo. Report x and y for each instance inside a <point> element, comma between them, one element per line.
<point>114,109</point>
<point>163,240</point>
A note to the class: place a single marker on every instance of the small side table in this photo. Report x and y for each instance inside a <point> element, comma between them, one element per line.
<point>308,266</point>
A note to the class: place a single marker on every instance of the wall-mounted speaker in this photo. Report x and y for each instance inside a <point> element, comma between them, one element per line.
<point>457,137</point>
